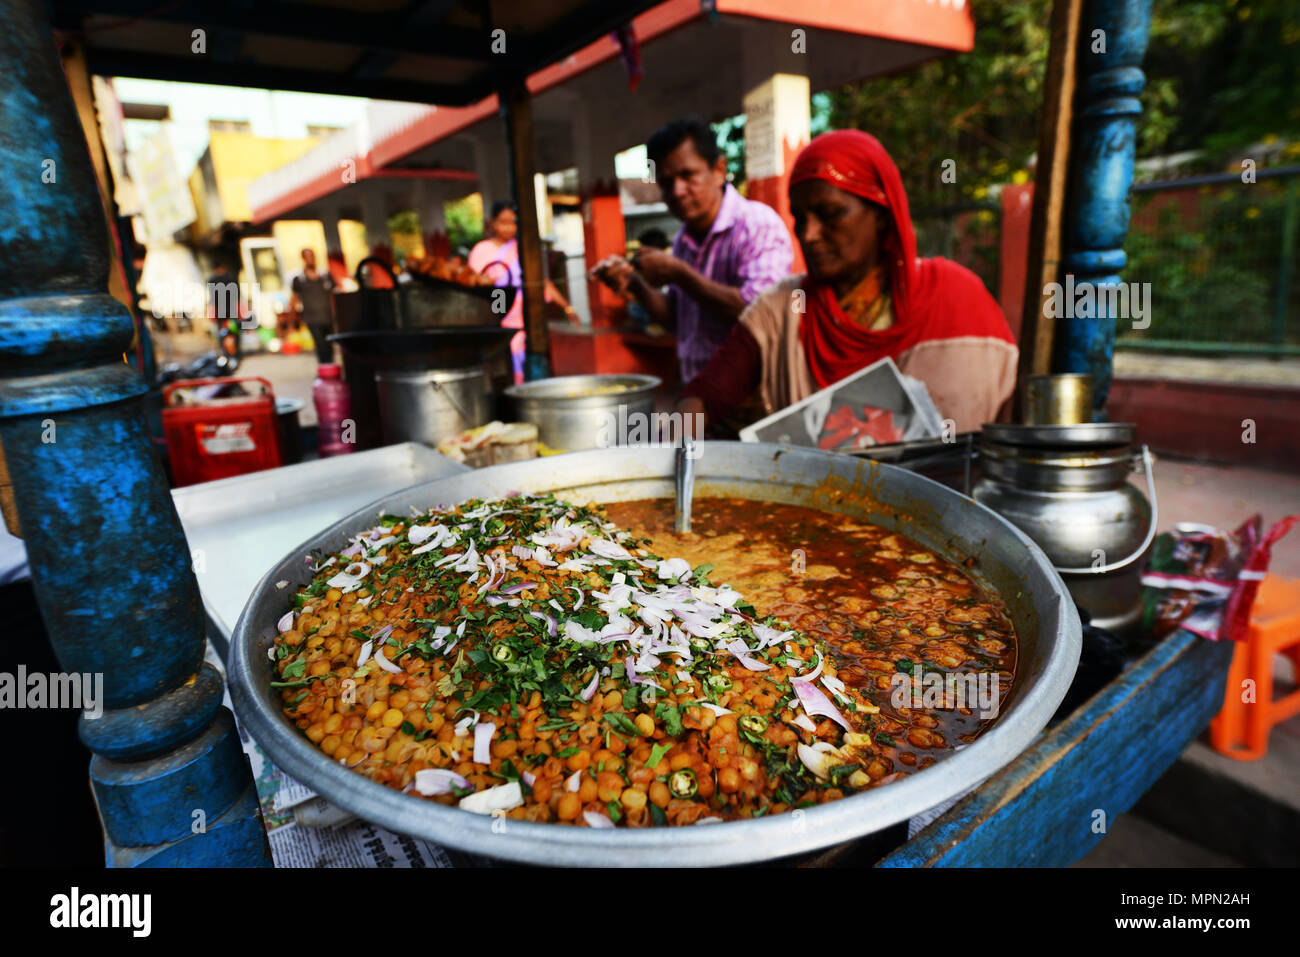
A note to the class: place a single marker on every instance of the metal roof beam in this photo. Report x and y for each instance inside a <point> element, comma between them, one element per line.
<point>191,69</point>
<point>297,21</point>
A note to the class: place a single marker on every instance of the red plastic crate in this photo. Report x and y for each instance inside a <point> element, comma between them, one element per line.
<point>218,438</point>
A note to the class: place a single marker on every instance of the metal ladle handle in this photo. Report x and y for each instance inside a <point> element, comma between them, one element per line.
<point>685,485</point>
<point>1148,468</point>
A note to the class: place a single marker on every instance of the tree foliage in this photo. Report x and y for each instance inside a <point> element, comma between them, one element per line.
<point>1221,75</point>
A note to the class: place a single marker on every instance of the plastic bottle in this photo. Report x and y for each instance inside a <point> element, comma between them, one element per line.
<point>333,407</point>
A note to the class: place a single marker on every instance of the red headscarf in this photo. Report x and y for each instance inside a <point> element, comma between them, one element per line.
<point>932,298</point>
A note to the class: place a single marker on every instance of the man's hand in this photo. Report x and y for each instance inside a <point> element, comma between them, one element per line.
<point>616,273</point>
<point>657,267</point>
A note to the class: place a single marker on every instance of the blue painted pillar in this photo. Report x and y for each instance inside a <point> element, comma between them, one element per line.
<point>1112,42</point>
<point>109,561</point>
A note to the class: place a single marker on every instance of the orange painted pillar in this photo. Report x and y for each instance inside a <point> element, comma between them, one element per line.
<point>604,234</point>
<point>777,126</point>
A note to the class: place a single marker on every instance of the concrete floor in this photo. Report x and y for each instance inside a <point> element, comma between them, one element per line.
<point>1225,496</point>
<point>1256,371</point>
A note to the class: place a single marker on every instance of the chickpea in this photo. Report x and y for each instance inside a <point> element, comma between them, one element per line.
<point>541,790</point>
<point>316,733</point>
<point>504,748</point>
<point>681,760</point>
<point>729,780</point>
<point>399,700</point>
<point>588,790</point>
<point>578,762</point>
<point>633,799</point>
<point>392,718</point>
<point>608,786</point>
<point>645,724</point>
<point>659,794</point>
<point>569,806</point>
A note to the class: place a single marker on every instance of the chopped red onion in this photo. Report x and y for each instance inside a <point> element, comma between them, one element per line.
<point>285,623</point>
<point>515,589</point>
<point>433,781</point>
<point>464,724</point>
<point>482,528</point>
<point>364,654</point>
<point>528,778</point>
<point>741,651</point>
<point>551,627</point>
<point>805,722</point>
<point>674,568</point>
<point>385,663</point>
<point>503,797</point>
<point>577,604</point>
<point>812,675</point>
<point>483,742</point>
<point>596,819</point>
<point>589,692</point>
<point>715,708</point>
<point>815,702</point>
<point>607,549</point>
<point>573,782</point>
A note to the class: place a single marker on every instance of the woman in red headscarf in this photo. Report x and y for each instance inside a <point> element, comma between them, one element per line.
<point>866,296</point>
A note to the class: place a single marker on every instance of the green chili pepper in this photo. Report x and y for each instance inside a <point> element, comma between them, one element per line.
<point>503,654</point>
<point>701,645</point>
<point>753,723</point>
<point>719,682</point>
<point>683,784</point>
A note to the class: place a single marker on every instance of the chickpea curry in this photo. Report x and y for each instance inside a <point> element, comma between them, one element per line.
<point>541,660</point>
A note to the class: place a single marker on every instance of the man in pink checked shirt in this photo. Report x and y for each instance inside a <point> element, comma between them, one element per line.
<point>728,250</point>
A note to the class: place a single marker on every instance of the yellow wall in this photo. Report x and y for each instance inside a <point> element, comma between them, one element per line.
<point>293,236</point>
<point>240,158</point>
<point>352,234</point>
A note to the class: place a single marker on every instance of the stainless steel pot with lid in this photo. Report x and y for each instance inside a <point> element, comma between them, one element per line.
<point>996,553</point>
<point>576,412</point>
<point>1067,488</point>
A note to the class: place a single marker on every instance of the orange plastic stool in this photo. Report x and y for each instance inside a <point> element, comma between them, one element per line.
<point>1241,729</point>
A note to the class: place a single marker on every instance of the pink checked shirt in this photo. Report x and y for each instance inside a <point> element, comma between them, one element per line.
<point>748,248</point>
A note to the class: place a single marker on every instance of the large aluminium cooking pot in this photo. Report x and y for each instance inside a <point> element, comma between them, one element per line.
<point>572,412</point>
<point>995,552</point>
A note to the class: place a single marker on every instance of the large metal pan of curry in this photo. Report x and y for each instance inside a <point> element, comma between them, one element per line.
<point>900,576</point>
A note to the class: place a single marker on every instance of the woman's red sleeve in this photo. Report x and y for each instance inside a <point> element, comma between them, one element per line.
<point>731,376</point>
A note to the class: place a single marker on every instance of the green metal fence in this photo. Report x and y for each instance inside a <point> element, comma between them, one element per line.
<point>1220,257</point>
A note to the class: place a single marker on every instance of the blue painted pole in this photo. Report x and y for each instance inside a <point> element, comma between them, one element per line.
<point>109,561</point>
<point>1112,42</point>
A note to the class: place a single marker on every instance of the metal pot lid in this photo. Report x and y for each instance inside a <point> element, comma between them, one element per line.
<point>1083,435</point>
<point>584,387</point>
<point>1067,458</point>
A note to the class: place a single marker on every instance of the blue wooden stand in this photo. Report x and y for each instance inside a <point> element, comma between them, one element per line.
<point>108,556</point>
<point>1056,801</point>
<point>1101,171</point>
